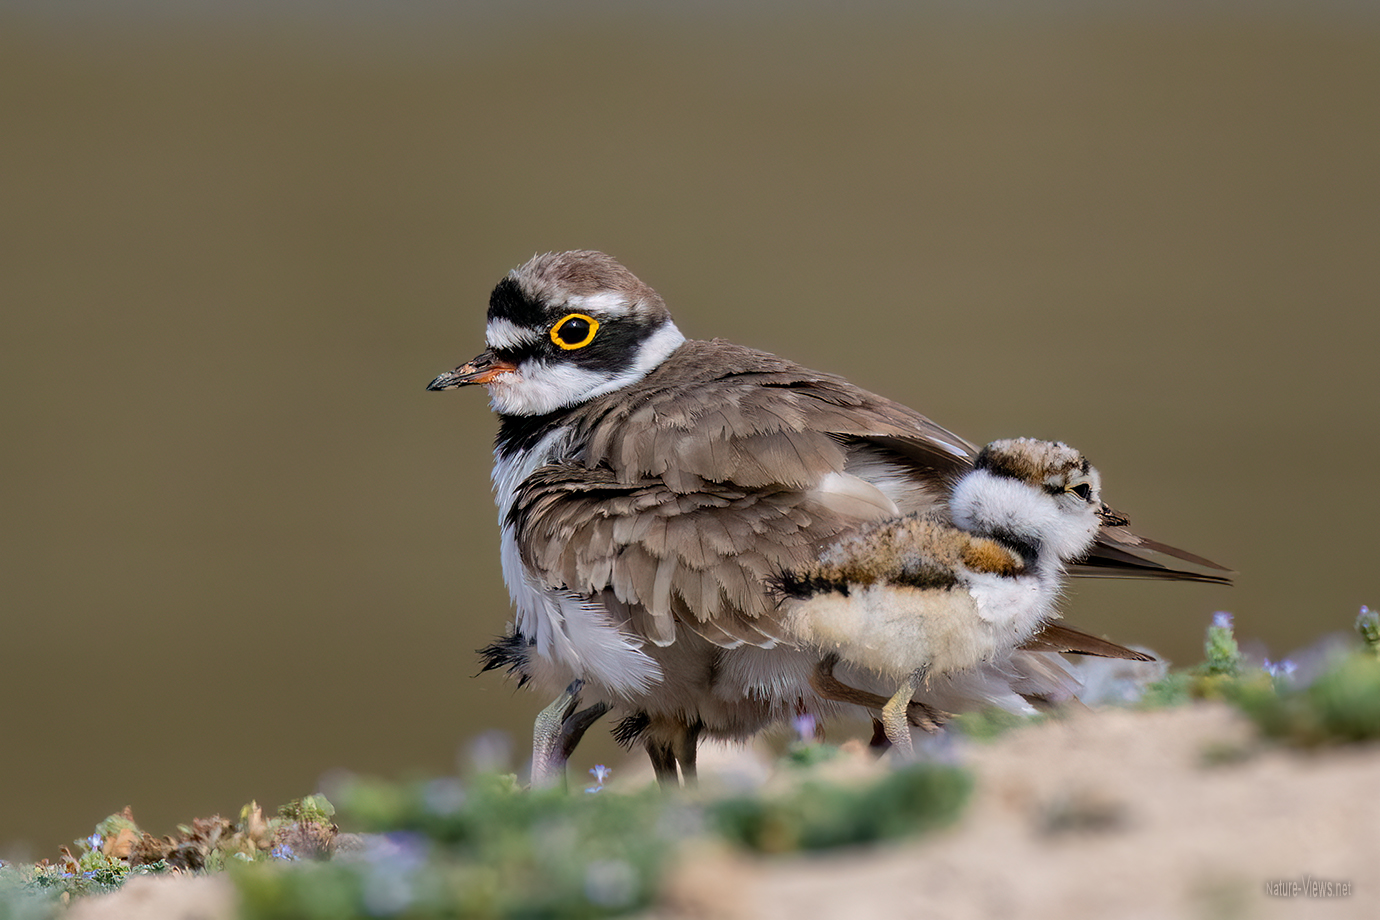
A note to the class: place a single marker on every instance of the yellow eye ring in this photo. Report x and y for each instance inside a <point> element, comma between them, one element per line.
<point>584,327</point>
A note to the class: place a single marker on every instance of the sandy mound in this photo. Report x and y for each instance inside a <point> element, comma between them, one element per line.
<point>1172,813</point>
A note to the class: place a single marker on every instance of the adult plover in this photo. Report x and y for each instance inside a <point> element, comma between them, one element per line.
<point>650,487</point>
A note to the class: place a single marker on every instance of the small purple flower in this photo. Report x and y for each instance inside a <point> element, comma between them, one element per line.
<point>805,726</point>
<point>282,851</point>
<point>601,774</point>
<point>94,842</point>
<point>1221,619</point>
<point>1280,670</point>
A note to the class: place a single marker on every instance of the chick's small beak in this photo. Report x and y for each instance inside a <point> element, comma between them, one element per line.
<point>1112,518</point>
<point>482,369</point>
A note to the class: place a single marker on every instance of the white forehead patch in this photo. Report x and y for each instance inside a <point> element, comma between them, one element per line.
<point>504,333</point>
<point>606,302</point>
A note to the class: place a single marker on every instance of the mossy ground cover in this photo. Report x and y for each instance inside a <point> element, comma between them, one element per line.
<point>486,847</point>
<point>483,846</point>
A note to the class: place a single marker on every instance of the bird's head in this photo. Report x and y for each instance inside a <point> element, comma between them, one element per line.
<point>564,328</point>
<point>1043,495</point>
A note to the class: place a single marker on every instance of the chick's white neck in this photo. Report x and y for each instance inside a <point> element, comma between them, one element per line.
<point>998,506</point>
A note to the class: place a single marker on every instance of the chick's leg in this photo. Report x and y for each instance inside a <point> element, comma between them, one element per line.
<point>895,721</point>
<point>831,688</point>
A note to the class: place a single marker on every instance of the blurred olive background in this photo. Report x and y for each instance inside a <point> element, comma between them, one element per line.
<point>242,547</point>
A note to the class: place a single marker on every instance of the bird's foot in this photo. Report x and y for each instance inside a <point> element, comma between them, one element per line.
<point>896,715</point>
<point>831,688</point>
<point>556,732</point>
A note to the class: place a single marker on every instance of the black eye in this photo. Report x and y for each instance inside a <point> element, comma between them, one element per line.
<point>574,331</point>
<point>1083,490</point>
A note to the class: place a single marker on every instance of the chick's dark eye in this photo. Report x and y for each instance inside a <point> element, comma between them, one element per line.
<point>575,330</point>
<point>1083,490</point>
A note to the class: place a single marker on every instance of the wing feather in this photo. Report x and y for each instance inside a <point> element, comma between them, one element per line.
<point>682,507</point>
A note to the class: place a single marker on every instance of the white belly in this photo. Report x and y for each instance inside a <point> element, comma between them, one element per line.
<point>571,635</point>
<point>895,629</point>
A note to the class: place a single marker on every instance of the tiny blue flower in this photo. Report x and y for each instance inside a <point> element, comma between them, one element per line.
<point>94,842</point>
<point>1221,619</point>
<point>1280,670</point>
<point>805,727</point>
<point>601,774</point>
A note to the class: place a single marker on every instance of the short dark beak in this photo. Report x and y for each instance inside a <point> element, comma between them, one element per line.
<point>481,370</point>
<point>1112,518</point>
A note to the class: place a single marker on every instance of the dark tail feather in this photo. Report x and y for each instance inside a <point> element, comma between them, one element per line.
<point>1067,640</point>
<point>506,652</point>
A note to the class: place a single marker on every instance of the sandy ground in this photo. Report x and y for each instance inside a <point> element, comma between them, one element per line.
<point>1113,814</point>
